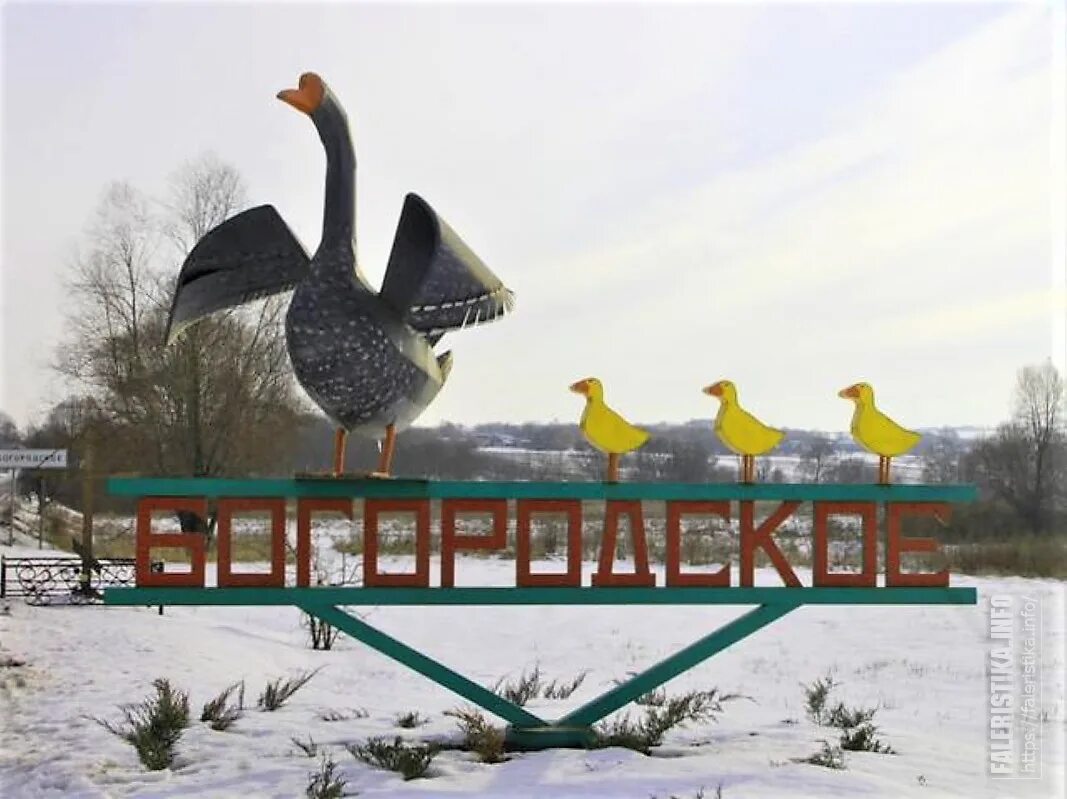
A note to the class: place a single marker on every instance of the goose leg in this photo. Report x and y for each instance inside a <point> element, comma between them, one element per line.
<point>340,436</point>
<point>385,459</point>
<point>613,468</point>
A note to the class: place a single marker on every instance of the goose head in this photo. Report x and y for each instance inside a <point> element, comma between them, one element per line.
<point>723,389</point>
<point>314,98</point>
<point>590,388</point>
<point>860,393</point>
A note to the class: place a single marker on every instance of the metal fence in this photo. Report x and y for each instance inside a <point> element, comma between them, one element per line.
<point>42,580</point>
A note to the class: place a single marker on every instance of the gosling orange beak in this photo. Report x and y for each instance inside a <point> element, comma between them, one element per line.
<point>308,97</point>
<point>715,389</point>
<point>581,387</point>
<point>849,393</point>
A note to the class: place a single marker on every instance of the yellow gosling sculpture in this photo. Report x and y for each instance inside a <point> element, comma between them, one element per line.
<point>605,429</point>
<point>876,432</point>
<point>741,432</point>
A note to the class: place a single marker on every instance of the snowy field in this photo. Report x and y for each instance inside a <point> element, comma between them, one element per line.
<point>924,667</point>
<point>580,464</point>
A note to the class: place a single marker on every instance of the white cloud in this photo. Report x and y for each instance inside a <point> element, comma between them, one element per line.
<point>923,213</point>
<point>600,161</point>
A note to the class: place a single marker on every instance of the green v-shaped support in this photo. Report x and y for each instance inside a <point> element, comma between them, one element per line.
<point>526,730</point>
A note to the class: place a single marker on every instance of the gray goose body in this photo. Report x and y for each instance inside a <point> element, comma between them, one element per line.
<point>366,358</point>
<point>361,364</point>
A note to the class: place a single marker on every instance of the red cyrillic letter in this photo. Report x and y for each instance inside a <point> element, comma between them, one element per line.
<point>450,541</point>
<point>275,578</point>
<point>372,508</point>
<point>896,543</point>
<point>605,574</point>
<point>305,506</point>
<point>524,510</point>
<point>193,543</point>
<point>675,577</point>
<point>753,538</point>
<point>822,576</point>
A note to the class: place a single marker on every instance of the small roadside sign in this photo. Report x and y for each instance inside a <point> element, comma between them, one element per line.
<point>33,459</point>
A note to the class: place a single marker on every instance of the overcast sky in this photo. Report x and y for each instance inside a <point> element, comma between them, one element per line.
<point>794,197</point>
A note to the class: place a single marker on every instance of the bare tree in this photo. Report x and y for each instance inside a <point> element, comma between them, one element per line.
<point>767,472</point>
<point>816,456</point>
<point>219,401</point>
<point>941,457</point>
<point>851,469</point>
<point>689,459</point>
<point>1038,411</point>
<point>1025,462</point>
<point>9,431</point>
<point>204,192</point>
<point>63,428</point>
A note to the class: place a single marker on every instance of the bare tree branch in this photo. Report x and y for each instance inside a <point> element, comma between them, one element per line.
<point>222,400</point>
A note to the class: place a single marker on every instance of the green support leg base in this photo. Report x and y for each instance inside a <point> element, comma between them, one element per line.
<point>534,739</point>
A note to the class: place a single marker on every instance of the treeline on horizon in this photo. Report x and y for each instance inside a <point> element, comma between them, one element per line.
<point>684,452</point>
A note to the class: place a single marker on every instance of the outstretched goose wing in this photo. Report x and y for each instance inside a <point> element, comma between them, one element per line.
<point>247,257</point>
<point>434,280</point>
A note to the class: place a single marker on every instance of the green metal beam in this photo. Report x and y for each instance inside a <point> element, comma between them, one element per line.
<point>428,667</point>
<point>788,597</point>
<point>426,489</point>
<point>674,665</point>
<point>534,739</point>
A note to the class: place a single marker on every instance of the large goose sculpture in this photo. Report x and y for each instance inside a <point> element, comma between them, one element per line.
<point>366,358</point>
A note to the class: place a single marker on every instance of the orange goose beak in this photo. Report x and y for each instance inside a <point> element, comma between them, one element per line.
<point>308,97</point>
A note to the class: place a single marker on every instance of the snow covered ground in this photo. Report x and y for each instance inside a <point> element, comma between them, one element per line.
<point>924,667</point>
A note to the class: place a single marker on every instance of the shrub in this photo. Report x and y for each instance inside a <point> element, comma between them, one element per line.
<point>219,712</point>
<point>845,718</point>
<point>409,760</point>
<point>322,635</point>
<point>858,734</point>
<point>698,795</point>
<point>648,731</point>
<point>863,739</point>
<point>827,757</point>
<point>1021,555</point>
<point>278,692</point>
<point>528,687</point>
<point>337,715</point>
<point>657,697</point>
<point>479,736</point>
<point>310,749</point>
<point>622,732</point>
<point>325,784</point>
<point>654,698</point>
<point>410,720</point>
<point>563,690</point>
<point>153,726</point>
<point>815,696</point>
<point>695,706</point>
